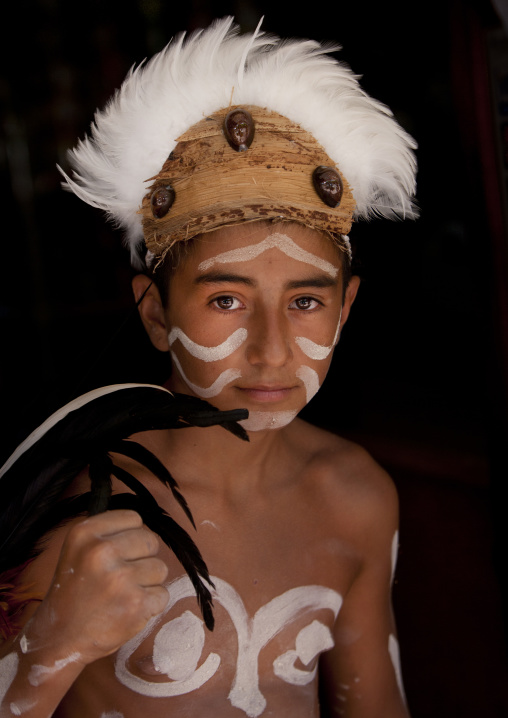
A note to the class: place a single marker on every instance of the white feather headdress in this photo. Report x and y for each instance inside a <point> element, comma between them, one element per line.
<point>216,68</point>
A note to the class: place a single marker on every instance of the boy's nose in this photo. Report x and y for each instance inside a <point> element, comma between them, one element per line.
<point>269,341</point>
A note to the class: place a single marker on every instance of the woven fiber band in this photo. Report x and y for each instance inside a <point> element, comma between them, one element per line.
<point>215,185</point>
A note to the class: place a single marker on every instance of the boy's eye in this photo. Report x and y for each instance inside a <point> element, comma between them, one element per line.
<point>305,303</point>
<point>227,303</point>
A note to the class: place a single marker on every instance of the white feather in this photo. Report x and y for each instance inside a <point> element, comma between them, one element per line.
<point>132,137</point>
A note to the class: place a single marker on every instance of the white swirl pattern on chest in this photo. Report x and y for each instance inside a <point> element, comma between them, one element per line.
<point>253,634</point>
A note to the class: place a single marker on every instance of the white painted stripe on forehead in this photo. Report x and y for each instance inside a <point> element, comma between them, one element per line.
<point>318,351</point>
<point>221,351</point>
<point>278,241</point>
<point>218,385</point>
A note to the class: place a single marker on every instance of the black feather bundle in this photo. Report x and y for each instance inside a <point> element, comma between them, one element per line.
<point>83,434</point>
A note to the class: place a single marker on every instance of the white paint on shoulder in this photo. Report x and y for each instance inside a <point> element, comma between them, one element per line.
<point>310,380</point>
<point>112,714</point>
<point>38,673</point>
<point>262,420</point>
<point>209,354</point>
<point>8,671</point>
<point>276,240</point>
<point>225,378</point>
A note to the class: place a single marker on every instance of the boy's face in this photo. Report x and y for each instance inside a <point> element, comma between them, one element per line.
<point>254,312</point>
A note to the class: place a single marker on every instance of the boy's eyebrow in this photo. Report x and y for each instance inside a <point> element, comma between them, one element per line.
<point>320,281</point>
<point>217,277</point>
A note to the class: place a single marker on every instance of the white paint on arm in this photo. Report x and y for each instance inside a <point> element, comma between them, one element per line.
<point>393,650</point>
<point>276,240</point>
<point>8,671</point>
<point>38,674</point>
<point>209,354</point>
<point>395,549</point>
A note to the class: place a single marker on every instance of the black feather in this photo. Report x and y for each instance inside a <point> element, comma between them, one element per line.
<point>81,435</point>
<point>145,457</point>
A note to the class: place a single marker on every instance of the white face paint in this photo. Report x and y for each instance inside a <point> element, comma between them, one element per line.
<point>262,420</point>
<point>310,380</point>
<point>278,241</point>
<point>252,634</point>
<point>318,351</point>
<point>393,650</point>
<point>208,354</point>
<point>38,674</point>
<point>226,377</point>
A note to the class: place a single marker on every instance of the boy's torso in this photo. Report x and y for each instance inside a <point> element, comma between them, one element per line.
<point>281,559</point>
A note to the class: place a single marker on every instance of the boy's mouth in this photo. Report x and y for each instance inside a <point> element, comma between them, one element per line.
<point>266,393</point>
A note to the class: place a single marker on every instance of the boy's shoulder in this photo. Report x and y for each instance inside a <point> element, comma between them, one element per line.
<point>346,476</point>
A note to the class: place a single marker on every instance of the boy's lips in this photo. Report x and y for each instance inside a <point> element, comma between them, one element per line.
<point>267,393</point>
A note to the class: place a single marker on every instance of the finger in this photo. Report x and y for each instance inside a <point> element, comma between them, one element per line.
<point>156,600</point>
<point>149,572</point>
<point>135,543</point>
<point>107,524</point>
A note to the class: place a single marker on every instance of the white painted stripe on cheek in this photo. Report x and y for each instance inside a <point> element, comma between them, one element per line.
<point>208,354</point>
<point>262,420</point>
<point>279,241</point>
<point>218,385</point>
<point>310,380</point>
<point>318,351</point>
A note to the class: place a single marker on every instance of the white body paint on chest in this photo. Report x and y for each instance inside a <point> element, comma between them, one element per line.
<point>278,241</point>
<point>175,655</point>
<point>208,354</point>
<point>226,377</point>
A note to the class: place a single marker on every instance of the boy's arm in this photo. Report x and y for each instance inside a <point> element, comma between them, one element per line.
<point>360,676</point>
<point>106,587</point>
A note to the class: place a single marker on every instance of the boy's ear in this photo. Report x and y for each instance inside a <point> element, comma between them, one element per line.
<point>151,311</point>
<point>351,292</point>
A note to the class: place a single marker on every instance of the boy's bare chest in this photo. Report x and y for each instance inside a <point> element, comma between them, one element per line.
<point>278,587</point>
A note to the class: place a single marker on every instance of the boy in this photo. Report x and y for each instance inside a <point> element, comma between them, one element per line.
<point>259,153</point>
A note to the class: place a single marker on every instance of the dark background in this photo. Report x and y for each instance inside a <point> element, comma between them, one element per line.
<point>420,377</point>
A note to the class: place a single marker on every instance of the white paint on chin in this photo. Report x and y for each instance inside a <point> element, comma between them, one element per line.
<point>218,385</point>
<point>278,241</point>
<point>318,351</point>
<point>310,380</point>
<point>208,354</point>
<point>262,420</point>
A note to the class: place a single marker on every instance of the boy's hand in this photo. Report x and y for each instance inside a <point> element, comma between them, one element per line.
<point>107,586</point>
